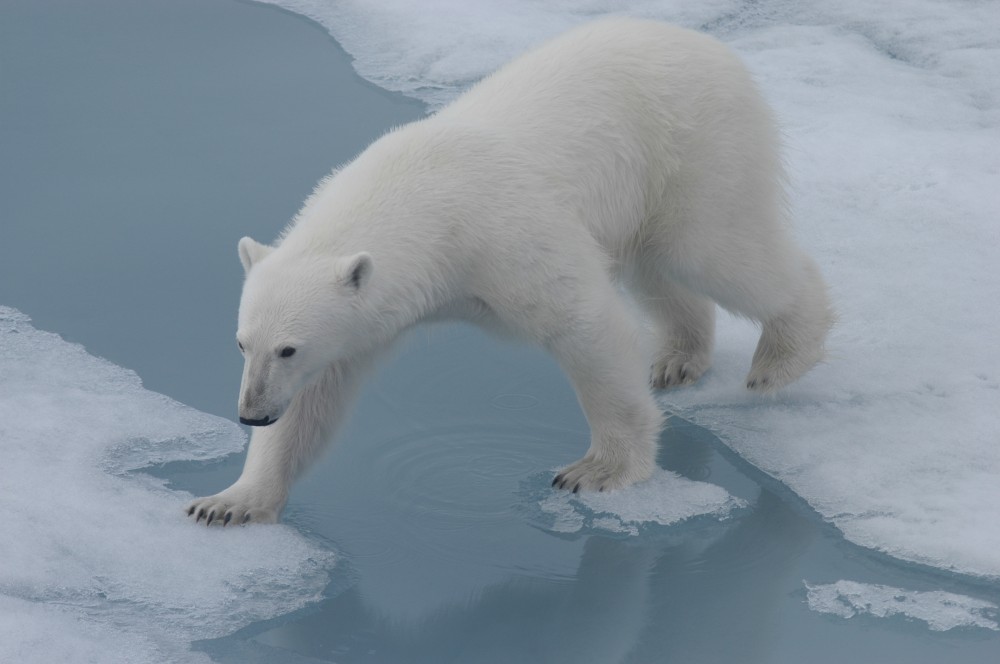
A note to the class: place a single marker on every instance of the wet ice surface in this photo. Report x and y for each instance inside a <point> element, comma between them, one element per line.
<point>102,555</point>
<point>892,122</point>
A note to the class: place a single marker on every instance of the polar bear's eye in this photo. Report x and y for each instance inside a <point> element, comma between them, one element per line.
<point>240,345</point>
<point>287,351</point>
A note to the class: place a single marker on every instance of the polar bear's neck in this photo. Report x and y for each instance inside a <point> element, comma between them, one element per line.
<point>394,202</point>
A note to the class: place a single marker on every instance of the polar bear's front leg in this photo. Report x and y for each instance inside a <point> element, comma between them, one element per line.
<point>262,489</point>
<point>280,452</point>
<point>600,353</point>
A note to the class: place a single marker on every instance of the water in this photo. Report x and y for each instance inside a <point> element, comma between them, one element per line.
<point>194,123</point>
<point>166,156</point>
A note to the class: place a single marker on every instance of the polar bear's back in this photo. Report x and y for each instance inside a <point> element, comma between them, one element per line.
<point>630,111</point>
<point>617,70</point>
<point>612,59</point>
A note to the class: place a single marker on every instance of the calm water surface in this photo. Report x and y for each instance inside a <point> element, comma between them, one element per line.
<point>141,140</point>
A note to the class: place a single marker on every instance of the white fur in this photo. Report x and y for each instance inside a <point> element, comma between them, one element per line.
<point>623,149</point>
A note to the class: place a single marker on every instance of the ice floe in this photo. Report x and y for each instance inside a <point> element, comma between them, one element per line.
<point>940,610</point>
<point>104,556</point>
<point>663,500</point>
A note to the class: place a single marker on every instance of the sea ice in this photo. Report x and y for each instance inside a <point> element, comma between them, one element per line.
<point>104,556</point>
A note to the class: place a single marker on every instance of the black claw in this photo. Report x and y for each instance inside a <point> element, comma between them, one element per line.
<point>684,375</point>
<point>557,479</point>
<point>562,485</point>
<point>246,517</point>
<point>751,384</point>
<point>201,515</point>
<point>191,510</point>
<point>211,516</point>
<point>601,489</point>
<point>227,519</point>
<point>576,489</point>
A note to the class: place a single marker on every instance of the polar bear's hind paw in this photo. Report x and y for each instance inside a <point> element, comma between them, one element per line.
<point>677,369</point>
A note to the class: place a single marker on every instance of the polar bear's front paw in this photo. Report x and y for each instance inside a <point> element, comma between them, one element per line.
<point>678,368</point>
<point>593,474</point>
<point>235,505</point>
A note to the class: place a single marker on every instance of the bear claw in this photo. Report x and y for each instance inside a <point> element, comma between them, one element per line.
<point>677,369</point>
<point>235,507</point>
<point>592,474</point>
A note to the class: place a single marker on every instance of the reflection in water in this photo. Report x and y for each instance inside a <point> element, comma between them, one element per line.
<point>721,606</point>
<point>629,602</point>
<point>669,597</point>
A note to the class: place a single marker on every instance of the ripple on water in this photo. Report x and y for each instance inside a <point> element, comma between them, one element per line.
<point>453,491</point>
<point>465,473</point>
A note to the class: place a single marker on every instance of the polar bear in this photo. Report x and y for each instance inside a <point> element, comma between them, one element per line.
<point>623,152</point>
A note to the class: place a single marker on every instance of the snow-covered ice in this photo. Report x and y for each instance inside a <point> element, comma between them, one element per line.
<point>891,122</point>
<point>940,610</point>
<point>102,556</point>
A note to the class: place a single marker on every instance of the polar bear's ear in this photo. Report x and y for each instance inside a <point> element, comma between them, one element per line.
<point>354,271</point>
<point>252,252</point>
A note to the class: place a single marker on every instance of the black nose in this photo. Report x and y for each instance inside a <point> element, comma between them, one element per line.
<point>258,423</point>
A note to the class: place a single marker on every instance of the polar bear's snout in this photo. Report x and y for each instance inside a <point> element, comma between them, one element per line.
<point>254,411</point>
<point>258,417</point>
<point>258,405</point>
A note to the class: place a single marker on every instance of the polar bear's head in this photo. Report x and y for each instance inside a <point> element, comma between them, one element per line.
<point>298,315</point>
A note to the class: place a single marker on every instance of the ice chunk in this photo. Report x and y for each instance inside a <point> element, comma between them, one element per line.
<point>663,500</point>
<point>940,610</point>
<point>85,540</point>
<point>892,121</point>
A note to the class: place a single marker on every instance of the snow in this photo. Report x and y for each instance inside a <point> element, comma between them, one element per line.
<point>940,610</point>
<point>102,555</point>
<point>891,123</point>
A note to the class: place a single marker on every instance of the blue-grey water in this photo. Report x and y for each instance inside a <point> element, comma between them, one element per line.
<point>140,140</point>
